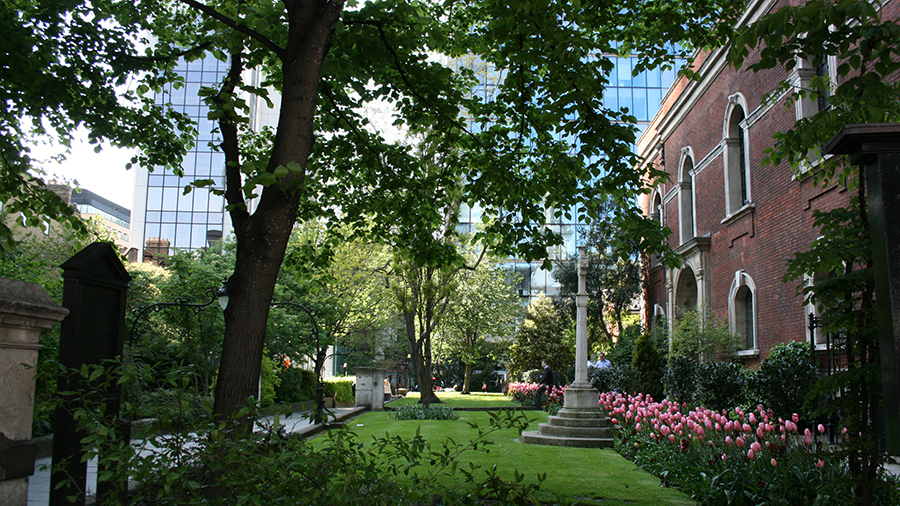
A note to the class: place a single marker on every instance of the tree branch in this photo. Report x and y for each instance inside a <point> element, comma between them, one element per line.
<point>262,39</point>
<point>230,147</point>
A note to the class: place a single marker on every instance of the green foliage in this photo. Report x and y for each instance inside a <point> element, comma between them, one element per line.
<point>680,379</point>
<point>295,385</point>
<point>623,349</point>
<point>268,382</point>
<point>542,336</point>
<point>341,388</point>
<point>611,282</point>
<point>784,380</point>
<point>286,469</point>
<point>721,385</point>
<point>647,366</point>
<point>433,412</point>
<point>703,338</point>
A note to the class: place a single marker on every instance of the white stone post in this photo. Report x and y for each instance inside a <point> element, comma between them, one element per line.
<point>580,396</point>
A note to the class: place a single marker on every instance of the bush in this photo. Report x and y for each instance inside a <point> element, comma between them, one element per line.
<point>268,382</point>
<point>647,366</point>
<point>720,385</point>
<point>703,339</point>
<point>601,379</point>
<point>296,385</point>
<point>622,352</point>
<point>785,378</point>
<point>531,376</point>
<point>341,388</point>
<point>680,379</point>
<point>433,412</point>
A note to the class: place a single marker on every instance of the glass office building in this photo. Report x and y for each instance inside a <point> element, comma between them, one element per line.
<point>165,218</point>
<point>640,94</point>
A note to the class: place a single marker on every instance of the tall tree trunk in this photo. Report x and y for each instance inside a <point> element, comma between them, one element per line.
<point>262,237</point>
<point>467,384</point>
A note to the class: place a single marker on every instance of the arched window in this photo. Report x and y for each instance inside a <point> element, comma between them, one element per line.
<point>686,198</point>
<point>742,309</point>
<point>737,174</point>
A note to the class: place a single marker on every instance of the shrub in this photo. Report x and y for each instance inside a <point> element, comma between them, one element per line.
<point>720,385</point>
<point>703,339</point>
<point>268,382</point>
<point>341,388</point>
<point>646,364</point>
<point>602,379</point>
<point>622,352</point>
<point>433,412</point>
<point>680,379</point>
<point>785,378</point>
<point>531,376</point>
<point>296,385</point>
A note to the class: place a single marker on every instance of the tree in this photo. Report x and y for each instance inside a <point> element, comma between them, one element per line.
<point>542,140</point>
<point>612,281</point>
<point>543,335</point>
<point>485,308</point>
<point>865,91</point>
<point>345,281</point>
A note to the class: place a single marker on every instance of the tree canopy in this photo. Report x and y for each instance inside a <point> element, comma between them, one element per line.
<point>541,139</point>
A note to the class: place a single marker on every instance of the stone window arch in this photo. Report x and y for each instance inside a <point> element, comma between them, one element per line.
<point>687,228</point>
<point>737,155</point>
<point>743,303</point>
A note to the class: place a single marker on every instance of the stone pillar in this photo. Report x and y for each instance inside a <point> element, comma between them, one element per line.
<point>580,396</point>
<point>370,387</point>
<point>25,310</point>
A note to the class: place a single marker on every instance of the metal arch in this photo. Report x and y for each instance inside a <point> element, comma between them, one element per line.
<point>181,302</point>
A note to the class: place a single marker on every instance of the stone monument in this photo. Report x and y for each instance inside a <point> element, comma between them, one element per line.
<point>581,422</point>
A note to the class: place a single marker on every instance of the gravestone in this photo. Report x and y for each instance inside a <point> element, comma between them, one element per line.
<point>94,290</point>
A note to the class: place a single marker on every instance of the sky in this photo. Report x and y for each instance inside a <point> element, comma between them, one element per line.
<point>102,173</point>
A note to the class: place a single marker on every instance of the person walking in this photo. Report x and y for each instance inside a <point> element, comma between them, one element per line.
<point>546,383</point>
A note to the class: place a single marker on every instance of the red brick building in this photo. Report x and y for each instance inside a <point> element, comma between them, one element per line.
<point>735,222</point>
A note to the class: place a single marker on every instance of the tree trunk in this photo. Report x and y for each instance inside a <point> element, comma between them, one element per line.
<point>467,384</point>
<point>262,237</point>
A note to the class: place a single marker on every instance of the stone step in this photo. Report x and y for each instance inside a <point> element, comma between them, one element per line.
<point>535,437</point>
<point>574,432</point>
<point>560,421</point>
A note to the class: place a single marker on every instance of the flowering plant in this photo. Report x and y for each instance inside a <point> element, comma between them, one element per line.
<point>525,393</point>
<point>728,457</point>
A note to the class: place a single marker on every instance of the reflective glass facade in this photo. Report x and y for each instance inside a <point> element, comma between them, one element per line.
<point>640,94</point>
<point>165,218</point>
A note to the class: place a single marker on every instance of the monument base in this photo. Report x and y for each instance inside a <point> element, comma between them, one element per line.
<point>580,423</point>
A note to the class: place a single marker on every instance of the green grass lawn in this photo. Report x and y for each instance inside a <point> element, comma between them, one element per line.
<point>585,476</point>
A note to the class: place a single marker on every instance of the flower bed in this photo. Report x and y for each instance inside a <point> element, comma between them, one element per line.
<point>728,457</point>
<point>524,394</point>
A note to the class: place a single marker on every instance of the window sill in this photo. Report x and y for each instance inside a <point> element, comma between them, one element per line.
<point>740,213</point>
<point>754,353</point>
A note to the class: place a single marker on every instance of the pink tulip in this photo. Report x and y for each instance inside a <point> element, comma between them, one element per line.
<point>751,454</point>
<point>821,429</point>
<point>746,427</point>
<point>755,446</point>
<point>728,440</point>
<point>774,463</point>
<point>739,442</point>
<point>665,430</point>
<point>795,417</point>
<point>820,463</point>
<point>638,427</point>
<point>672,438</point>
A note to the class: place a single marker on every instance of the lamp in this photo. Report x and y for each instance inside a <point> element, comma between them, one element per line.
<point>222,295</point>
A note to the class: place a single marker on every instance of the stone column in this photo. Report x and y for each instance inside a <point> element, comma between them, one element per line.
<point>580,396</point>
<point>25,310</point>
